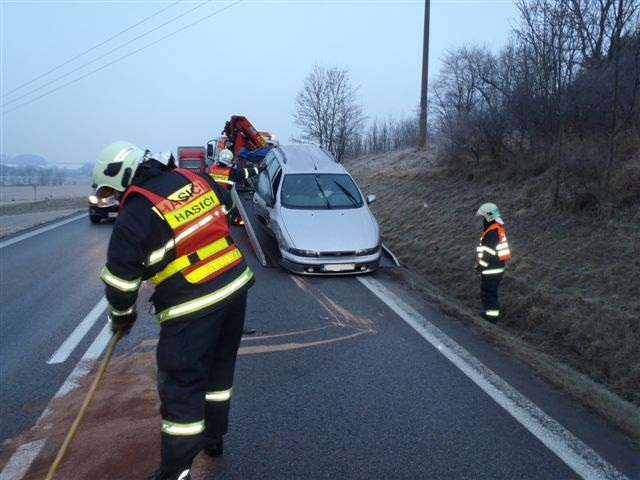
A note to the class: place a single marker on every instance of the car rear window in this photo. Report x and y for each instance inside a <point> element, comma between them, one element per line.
<point>320,191</point>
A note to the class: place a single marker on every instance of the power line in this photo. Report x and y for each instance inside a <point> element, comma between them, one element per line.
<point>101,56</point>
<point>89,50</point>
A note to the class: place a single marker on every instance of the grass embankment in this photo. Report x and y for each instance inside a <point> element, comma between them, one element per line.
<point>47,205</point>
<point>571,295</point>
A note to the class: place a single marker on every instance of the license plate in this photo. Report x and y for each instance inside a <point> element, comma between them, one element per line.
<point>113,214</point>
<point>339,267</point>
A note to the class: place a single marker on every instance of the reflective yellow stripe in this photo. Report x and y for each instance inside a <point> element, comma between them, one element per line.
<point>207,300</point>
<point>218,177</point>
<point>179,429</point>
<point>119,313</point>
<point>233,205</point>
<point>157,212</point>
<point>213,248</point>
<point>196,226</point>
<point>492,271</point>
<point>119,283</point>
<point>503,250</point>
<point>213,266</point>
<point>183,262</point>
<point>489,250</point>
<point>219,396</point>
<point>160,253</point>
<point>174,267</point>
<point>492,313</point>
<point>183,475</point>
<point>247,173</point>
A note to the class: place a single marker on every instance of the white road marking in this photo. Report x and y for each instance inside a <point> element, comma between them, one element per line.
<point>78,334</point>
<point>573,452</point>
<point>86,362</point>
<point>21,460</point>
<point>24,236</point>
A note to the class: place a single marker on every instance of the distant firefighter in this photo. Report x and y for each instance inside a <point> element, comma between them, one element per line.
<point>493,251</point>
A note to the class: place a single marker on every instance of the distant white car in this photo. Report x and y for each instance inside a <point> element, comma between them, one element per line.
<point>106,208</point>
<point>316,212</point>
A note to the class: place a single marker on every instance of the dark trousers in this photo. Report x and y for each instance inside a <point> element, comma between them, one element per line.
<point>195,357</point>
<point>489,296</point>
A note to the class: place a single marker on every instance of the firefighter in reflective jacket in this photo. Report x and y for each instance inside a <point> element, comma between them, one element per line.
<point>492,253</point>
<point>172,231</point>
<point>227,176</point>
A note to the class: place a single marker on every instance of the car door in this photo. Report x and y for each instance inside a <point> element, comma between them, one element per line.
<point>265,194</point>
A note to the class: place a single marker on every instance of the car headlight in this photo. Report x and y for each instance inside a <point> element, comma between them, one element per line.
<point>303,253</point>
<point>93,200</point>
<point>367,251</point>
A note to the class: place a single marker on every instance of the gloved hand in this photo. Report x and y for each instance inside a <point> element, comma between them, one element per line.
<point>122,323</point>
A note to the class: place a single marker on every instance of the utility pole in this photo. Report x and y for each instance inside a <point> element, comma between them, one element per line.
<point>422,141</point>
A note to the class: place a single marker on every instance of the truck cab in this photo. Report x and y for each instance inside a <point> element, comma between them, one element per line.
<point>193,158</point>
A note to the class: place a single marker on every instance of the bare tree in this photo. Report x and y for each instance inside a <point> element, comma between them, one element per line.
<point>471,96</point>
<point>327,110</point>
<point>547,36</point>
<point>567,83</point>
<point>456,102</point>
<point>623,11</point>
<point>609,32</point>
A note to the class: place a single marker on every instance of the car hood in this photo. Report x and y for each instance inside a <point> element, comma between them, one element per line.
<point>331,230</point>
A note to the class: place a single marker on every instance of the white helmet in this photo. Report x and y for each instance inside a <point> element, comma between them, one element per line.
<point>226,157</point>
<point>115,167</point>
<point>490,213</point>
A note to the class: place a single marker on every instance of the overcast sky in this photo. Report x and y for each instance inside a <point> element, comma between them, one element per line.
<point>77,75</point>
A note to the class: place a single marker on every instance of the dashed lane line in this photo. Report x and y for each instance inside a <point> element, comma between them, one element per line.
<point>19,463</point>
<point>78,334</point>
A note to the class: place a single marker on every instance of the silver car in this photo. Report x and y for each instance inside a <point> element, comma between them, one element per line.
<point>316,212</point>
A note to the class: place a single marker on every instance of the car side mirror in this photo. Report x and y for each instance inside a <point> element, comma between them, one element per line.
<point>270,201</point>
<point>371,199</point>
<point>210,150</point>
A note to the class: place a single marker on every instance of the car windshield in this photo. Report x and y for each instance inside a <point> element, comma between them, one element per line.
<point>320,191</point>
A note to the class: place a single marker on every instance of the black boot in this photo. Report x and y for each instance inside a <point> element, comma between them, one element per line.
<point>214,446</point>
<point>160,475</point>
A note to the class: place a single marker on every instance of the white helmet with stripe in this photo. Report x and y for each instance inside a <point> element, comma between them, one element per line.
<point>116,166</point>
<point>490,213</point>
<point>226,157</point>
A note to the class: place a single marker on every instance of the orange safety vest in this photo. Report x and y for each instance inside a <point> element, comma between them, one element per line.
<point>502,249</point>
<point>200,231</point>
<point>221,176</point>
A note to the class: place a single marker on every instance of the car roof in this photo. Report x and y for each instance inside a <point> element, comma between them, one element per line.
<point>308,158</point>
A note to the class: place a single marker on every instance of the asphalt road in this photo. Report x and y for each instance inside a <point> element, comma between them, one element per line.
<point>335,384</point>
